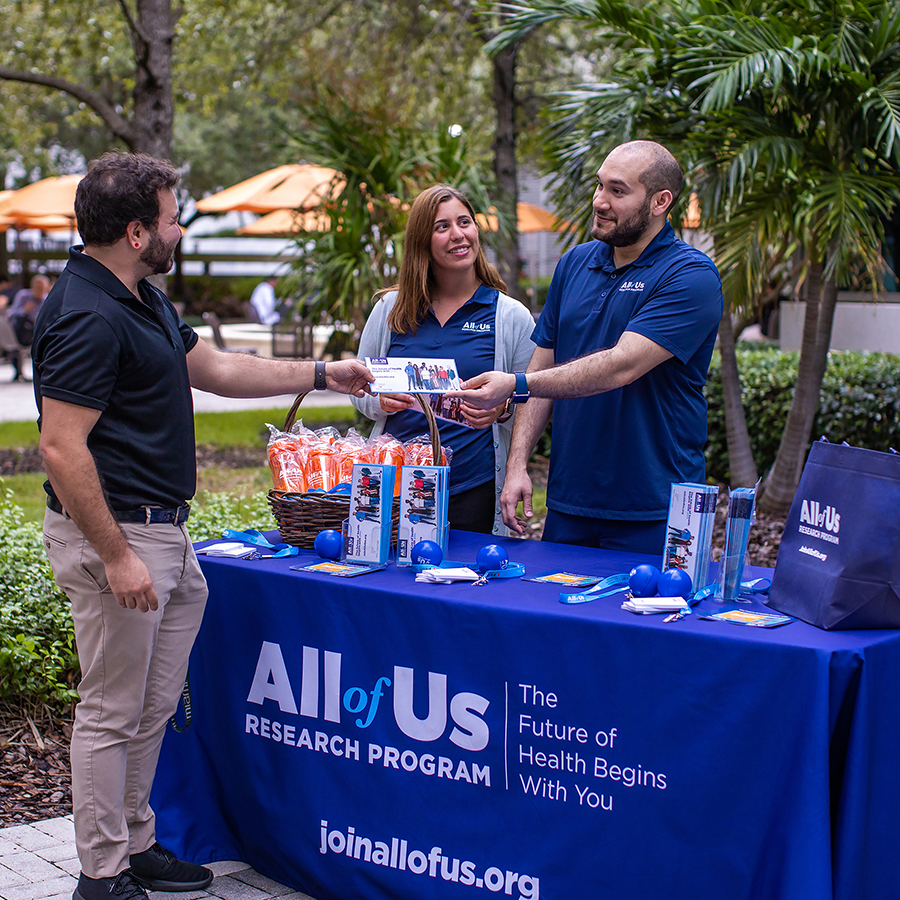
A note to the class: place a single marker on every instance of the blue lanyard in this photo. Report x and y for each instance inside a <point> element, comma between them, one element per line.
<point>512,570</point>
<point>612,584</point>
<point>251,536</point>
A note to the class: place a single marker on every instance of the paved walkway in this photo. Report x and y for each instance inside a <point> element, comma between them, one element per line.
<point>17,399</point>
<point>38,862</point>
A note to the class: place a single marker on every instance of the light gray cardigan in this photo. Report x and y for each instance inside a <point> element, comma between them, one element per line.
<point>513,347</point>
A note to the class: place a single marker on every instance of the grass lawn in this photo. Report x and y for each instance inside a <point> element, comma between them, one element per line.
<point>219,429</point>
<point>244,428</point>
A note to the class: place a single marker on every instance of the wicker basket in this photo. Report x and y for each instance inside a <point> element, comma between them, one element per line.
<point>301,516</point>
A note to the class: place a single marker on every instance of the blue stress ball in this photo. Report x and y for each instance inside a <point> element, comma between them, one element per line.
<point>427,553</point>
<point>328,544</point>
<point>643,579</point>
<point>491,557</point>
<point>675,583</point>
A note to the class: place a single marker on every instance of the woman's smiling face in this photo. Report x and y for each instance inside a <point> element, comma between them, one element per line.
<point>454,237</point>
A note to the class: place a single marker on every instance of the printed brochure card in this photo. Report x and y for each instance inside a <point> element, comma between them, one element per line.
<point>368,538</point>
<point>401,375</point>
<point>692,514</point>
<point>342,570</point>
<point>424,495</point>
<point>565,578</point>
<point>449,408</point>
<point>747,617</point>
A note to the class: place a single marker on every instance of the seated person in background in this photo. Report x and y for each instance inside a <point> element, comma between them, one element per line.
<point>7,290</point>
<point>450,304</point>
<point>22,315</point>
<point>264,302</point>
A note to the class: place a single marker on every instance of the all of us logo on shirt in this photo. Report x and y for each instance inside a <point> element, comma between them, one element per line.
<point>477,326</point>
<point>632,286</point>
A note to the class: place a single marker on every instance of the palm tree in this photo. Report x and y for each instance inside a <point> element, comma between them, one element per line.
<point>788,114</point>
<point>384,164</point>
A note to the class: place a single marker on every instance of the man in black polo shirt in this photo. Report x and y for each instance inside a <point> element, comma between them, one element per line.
<point>113,371</point>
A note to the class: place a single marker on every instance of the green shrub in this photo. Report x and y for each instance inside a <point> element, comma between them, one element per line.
<point>859,403</point>
<point>38,662</point>
<point>211,513</point>
<point>37,641</point>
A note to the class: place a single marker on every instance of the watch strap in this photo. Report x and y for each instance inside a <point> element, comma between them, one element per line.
<point>319,383</point>
<point>520,392</point>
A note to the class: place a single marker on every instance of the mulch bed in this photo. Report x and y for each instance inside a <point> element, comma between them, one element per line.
<point>35,783</point>
<point>34,744</point>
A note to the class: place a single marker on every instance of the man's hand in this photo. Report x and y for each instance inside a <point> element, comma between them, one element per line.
<point>481,418</point>
<point>348,376</point>
<point>486,391</point>
<point>516,487</point>
<point>130,582</point>
<point>394,403</point>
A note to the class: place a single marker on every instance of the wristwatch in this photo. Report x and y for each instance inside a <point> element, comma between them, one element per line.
<point>520,392</point>
<point>319,380</point>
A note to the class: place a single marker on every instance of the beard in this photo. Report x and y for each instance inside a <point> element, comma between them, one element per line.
<point>159,256</point>
<point>627,233</point>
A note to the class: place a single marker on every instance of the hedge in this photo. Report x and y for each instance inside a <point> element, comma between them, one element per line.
<point>38,663</point>
<point>859,402</point>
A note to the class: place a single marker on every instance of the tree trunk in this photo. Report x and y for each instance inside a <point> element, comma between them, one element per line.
<point>505,164</point>
<point>152,38</point>
<point>781,482</point>
<point>743,472</point>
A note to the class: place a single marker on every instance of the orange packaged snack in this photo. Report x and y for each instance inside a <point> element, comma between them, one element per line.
<point>285,462</point>
<point>322,468</point>
<point>389,451</point>
<point>350,449</point>
<point>419,453</point>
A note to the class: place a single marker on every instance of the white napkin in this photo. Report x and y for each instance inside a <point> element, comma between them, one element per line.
<point>446,576</point>
<point>228,548</point>
<point>649,605</point>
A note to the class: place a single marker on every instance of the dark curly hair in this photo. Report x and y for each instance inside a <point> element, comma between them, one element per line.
<point>120,188</point>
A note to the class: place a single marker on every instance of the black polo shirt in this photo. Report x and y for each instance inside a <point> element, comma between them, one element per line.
<point>97,345</point>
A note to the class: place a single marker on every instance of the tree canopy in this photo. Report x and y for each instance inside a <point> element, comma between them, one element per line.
<point>786,115</point>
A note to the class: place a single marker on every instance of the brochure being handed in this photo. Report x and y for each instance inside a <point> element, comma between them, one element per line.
<point>412,375</point>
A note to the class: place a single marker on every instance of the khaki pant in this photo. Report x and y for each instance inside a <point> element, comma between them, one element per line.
<point>133,666</point>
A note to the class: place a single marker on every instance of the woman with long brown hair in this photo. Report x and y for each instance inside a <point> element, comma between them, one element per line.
<point>450,303</point>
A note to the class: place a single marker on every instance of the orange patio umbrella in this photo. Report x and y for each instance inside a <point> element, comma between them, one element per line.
<point>287,222</point>
<point>692,216</point>
<point>530,218</point>
<point>53,196</point>
<point>296,186</point>
<point>40,223</point>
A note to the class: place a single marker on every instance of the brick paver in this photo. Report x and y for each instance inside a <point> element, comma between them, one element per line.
<point>38,862</point>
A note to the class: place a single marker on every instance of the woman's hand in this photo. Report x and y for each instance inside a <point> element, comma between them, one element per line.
<point>394,403</point>
<point>481,418</point>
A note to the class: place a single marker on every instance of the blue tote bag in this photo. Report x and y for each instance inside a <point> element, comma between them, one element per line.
<point>838,564</point>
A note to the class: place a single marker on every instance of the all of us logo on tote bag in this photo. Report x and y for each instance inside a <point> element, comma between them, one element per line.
<point>838,563</point>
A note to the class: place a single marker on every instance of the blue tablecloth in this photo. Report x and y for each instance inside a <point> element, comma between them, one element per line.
<point>376,738</point>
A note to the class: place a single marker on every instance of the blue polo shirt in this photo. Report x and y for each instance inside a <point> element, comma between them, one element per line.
<point>96,345</point>
<point>468,336</point>
<point>615,455</point>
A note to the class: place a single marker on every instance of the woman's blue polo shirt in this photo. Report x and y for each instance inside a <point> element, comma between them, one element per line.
<point>615,455</point>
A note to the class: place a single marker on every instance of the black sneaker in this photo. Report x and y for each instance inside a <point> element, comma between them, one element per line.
<point>122,887</point>
<point>157,869</point>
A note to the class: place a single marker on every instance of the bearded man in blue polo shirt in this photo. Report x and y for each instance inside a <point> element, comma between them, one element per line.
<point>113,371</point>
<point>623,348</point>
